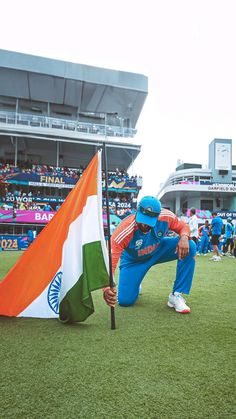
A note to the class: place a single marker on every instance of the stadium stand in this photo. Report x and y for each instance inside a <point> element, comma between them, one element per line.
<point>54,116</point>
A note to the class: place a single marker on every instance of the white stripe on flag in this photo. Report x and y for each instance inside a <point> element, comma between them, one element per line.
<point>85,229</point>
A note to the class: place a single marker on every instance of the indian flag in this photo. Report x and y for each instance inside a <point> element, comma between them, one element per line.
<point>68,260</point>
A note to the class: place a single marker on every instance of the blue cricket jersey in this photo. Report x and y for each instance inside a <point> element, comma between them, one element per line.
<point>217,225</point>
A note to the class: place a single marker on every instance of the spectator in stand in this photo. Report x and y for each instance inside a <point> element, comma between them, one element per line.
<point>216,229</point>
<point>23,206</point>
<point>47,207</point>
<point>229,238</point>
<point>204,232</point>
<point>116,199</point>
<point>5,206</point>
<point>134,202</point>
<point>193,224</point>
<point>16,192</point>
<point>14,211</point>
<point>58,207</point>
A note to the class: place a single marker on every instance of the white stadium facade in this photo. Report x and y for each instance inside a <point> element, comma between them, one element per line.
<point>57,114</point>
<point>211,188</point>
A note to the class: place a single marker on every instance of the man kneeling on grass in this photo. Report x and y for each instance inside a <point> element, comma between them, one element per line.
<point>140,241</point>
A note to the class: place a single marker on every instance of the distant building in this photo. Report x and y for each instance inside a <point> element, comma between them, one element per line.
<point>206,189</point>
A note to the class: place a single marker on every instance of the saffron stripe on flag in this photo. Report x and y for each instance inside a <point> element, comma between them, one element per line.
<point>27,282</point>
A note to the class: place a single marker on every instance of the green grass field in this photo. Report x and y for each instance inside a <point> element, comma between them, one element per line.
<point>156,364</point>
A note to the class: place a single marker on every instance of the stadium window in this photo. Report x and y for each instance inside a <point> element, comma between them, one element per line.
<point>63,113</point>
<point>18,229</point>
<point>32,107</point>
<point>223,172</point>
<point>6,229</point>
<point>206,204</point>
<point>184,207</point>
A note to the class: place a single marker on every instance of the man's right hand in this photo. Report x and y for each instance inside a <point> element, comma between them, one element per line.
<point>109,295</point>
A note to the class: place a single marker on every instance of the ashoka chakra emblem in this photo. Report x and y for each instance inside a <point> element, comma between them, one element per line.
<point>53,292</point>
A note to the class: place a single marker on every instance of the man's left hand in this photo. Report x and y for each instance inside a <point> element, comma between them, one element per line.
<point>182,247</point>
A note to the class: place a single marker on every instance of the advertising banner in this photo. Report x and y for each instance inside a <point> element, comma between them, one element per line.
<point>118,205</point>
<point>26,216</point>
<point>200,213</point>
<point>13,242</point>
<point>60,181</point>
<point>35,179</point>
<point>227,214</point>
<point>203,214</point>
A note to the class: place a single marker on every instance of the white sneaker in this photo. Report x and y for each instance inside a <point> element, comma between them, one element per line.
<point>217,259</point>
<point>177,302</point>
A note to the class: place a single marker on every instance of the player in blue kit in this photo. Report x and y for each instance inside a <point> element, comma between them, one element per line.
<point>229,238</point>
<point>140,241</point>
<point>216,230</point>
<point>204,232</point>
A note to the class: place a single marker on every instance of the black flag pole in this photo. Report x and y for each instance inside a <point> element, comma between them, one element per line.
<point>111,283</point>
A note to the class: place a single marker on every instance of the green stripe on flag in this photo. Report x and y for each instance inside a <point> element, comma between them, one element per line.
<point>77,304</point>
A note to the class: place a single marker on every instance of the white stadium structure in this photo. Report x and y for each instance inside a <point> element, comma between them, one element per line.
<point>57,114</point>
<point>211,188</point>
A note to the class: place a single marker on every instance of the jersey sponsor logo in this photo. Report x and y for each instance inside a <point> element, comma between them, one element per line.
<point>160,233</point>
<point>138,244</point>
<point>147,250</point>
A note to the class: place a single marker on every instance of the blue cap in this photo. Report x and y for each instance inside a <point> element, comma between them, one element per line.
<point>149,209</point>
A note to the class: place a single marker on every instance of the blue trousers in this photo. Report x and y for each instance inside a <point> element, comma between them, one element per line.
<point>203,248</point>
<point>133,272</point>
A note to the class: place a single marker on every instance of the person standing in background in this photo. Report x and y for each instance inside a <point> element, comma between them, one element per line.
<point>216,229</point>
<point>203,232</point>
<point>235,240</point>
<point>112,227</point>
<point>193,224</point>
<point>229,238</point>
<point>30,236</point>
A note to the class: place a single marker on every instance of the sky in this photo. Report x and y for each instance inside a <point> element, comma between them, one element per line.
<point>186,48</point>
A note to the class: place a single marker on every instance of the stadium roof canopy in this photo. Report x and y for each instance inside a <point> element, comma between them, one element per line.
<point>90,89</point>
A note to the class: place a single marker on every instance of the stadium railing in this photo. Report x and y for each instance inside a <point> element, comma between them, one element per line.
<point>65,124</point>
